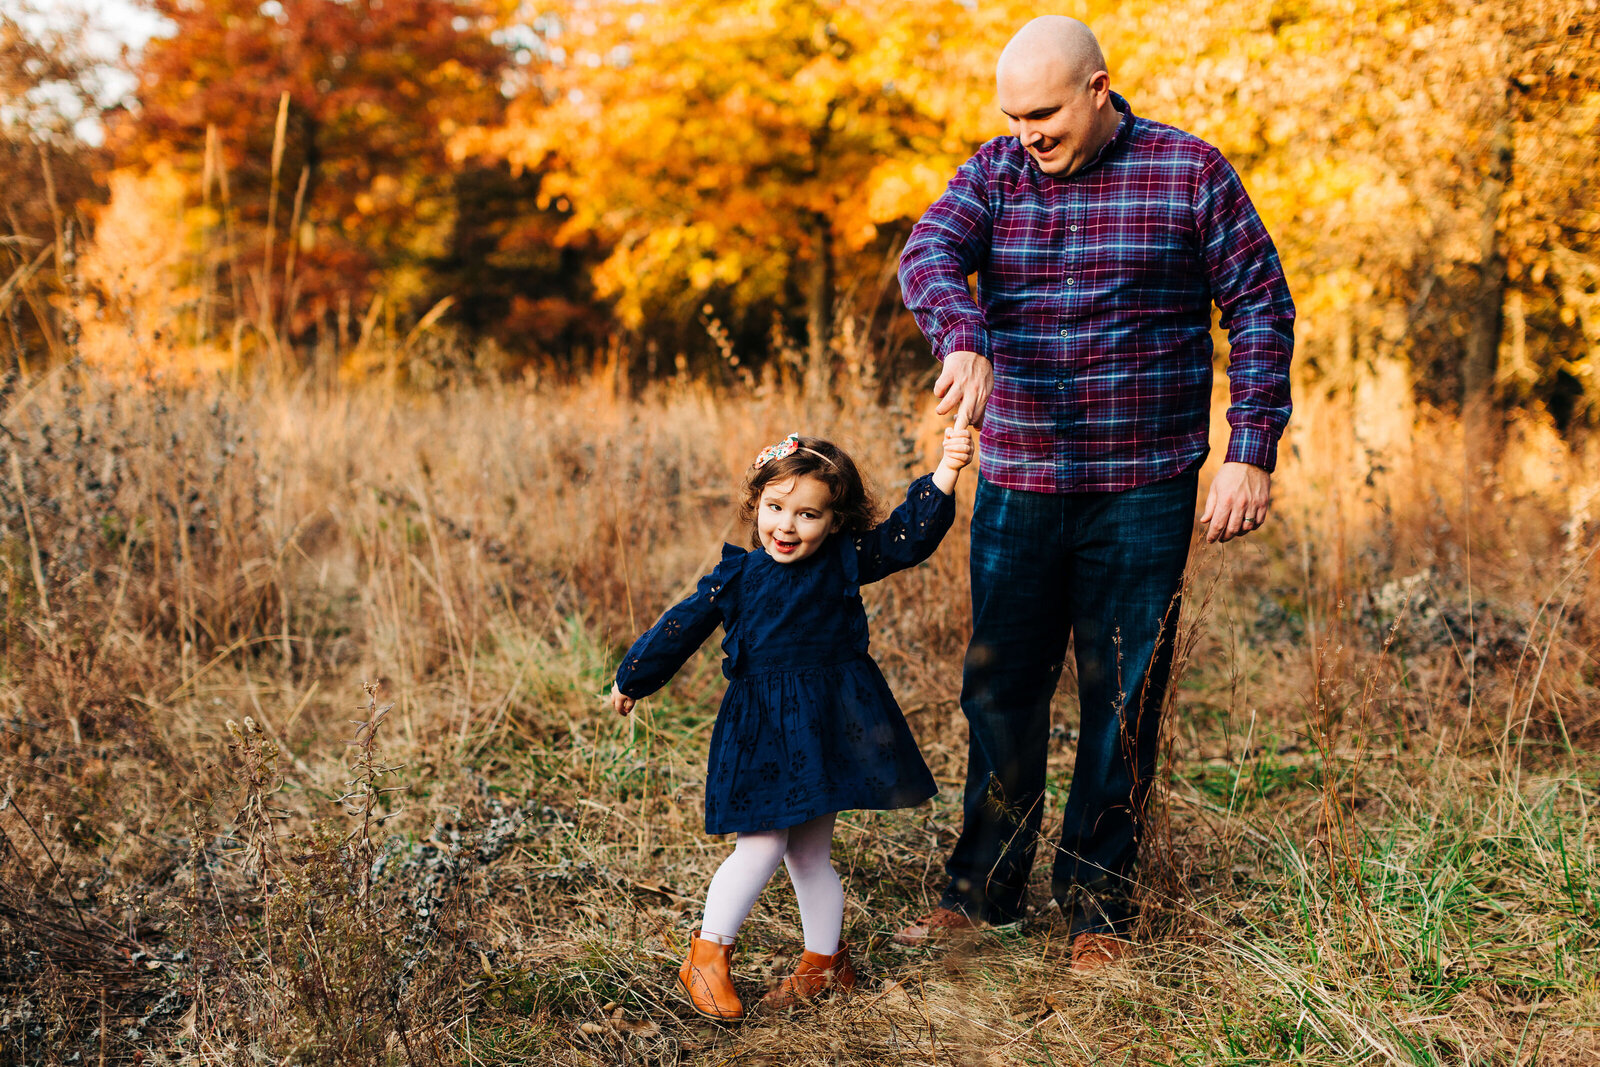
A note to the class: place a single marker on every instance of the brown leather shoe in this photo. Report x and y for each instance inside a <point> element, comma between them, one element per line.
<point>933,927</point>
<point>1091,951</point>
<point>704,977</point>
<point>815,975</point>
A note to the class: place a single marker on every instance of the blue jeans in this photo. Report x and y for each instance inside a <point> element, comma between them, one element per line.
<point>1105,569</point>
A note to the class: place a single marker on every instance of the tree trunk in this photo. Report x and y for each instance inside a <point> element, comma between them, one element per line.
<point>819,309</point>
<point>1480,409</point>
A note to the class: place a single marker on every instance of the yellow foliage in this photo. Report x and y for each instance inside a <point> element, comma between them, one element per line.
<point>647,274</point>
<point>763,120</point>
<point>723,145</point>
<point>144,241</point>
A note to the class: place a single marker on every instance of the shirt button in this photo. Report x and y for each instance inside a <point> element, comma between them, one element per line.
<point>1074,229</point>
<point>1061,383</point>
<point>1065,332</point>
<point>1069,281</point>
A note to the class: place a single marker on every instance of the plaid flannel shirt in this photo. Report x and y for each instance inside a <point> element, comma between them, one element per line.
<point>1094,303</point>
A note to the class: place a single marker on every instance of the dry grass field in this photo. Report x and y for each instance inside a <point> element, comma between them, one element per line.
<point>1376,839</point>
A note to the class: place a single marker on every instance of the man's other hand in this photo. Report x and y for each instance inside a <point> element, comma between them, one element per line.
<point>1238,501</point>
<point>964,387</point>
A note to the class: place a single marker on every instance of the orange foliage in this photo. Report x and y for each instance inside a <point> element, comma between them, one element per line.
<point>726,145</point>
<point>349,181</point>
<point>1424,165</point>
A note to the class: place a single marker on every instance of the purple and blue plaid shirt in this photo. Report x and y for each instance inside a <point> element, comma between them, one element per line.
<point>1094,305</point>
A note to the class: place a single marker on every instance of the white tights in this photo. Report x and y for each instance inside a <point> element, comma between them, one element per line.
<point>804,849</point>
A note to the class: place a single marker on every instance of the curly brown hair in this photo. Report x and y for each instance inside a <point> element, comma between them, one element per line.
<point>853,505</point>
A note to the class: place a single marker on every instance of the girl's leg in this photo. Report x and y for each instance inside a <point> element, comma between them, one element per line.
<point>739,881</point>
<point>816,884</point>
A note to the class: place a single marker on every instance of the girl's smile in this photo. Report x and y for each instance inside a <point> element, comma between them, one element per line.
<point>794,517</point>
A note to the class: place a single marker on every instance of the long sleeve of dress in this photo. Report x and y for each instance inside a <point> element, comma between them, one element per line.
<point>663,649</point>
<point>909,535</point>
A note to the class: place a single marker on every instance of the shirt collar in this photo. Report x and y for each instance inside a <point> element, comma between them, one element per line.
<point>1119,136</point>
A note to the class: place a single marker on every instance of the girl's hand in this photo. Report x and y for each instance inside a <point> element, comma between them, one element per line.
<point>957,454</point>
<point>621,703</point>
<point>957,447</point>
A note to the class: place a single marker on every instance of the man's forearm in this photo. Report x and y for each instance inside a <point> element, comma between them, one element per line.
<point>1247,281</point>
<point>938,298</point>
<point>947,244</point>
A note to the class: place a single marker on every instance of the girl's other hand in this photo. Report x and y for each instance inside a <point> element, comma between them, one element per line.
<point>621,703</point>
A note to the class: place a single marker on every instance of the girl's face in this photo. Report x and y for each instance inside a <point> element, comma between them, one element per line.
<point>794,517</point>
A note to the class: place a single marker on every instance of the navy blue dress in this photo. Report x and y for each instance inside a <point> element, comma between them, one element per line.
<point>808,725</point>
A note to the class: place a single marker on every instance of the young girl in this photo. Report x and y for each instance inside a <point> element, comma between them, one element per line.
<point>808,727</point>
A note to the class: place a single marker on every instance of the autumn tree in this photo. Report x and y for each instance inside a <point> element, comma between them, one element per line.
<point>1423,165</point>
<point>1549,221</point>
<point>315,131</point>
<point>755,152</point>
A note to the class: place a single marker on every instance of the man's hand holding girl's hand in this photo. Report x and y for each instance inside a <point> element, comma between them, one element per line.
<point>964,386</point>
<point>957,454</point>
<point>621,703</point>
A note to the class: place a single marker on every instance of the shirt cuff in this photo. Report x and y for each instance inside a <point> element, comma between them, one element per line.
<point>1254,446</point>
<point>964,337</point>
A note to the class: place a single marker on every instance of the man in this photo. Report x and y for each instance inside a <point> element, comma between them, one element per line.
<point>1100,240</point>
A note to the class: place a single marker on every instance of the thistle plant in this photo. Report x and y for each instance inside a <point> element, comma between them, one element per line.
<point>363,799</point>
<point>259,778</point>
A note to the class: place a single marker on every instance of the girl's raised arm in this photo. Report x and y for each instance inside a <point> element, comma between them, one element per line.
<point>908,536</point>
<point>915,528</point>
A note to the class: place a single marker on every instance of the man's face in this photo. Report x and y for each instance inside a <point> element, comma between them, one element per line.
<point>1059,119</point>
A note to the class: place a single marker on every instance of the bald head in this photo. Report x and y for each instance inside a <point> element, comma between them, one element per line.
<point>1051,49</point>
<point>1052,84</point>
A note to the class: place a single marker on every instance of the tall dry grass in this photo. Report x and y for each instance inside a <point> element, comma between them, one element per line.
<point>1371,842</point>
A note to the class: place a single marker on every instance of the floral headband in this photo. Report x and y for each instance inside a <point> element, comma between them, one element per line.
<point>783,448</point>
<point>787,447</point>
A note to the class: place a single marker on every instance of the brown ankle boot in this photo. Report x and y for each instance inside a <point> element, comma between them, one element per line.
<point>814,976</point>
<point>704,977</point>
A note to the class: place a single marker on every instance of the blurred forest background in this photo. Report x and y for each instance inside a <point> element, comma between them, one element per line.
<point>719,186</point>
<point>421,344</point>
